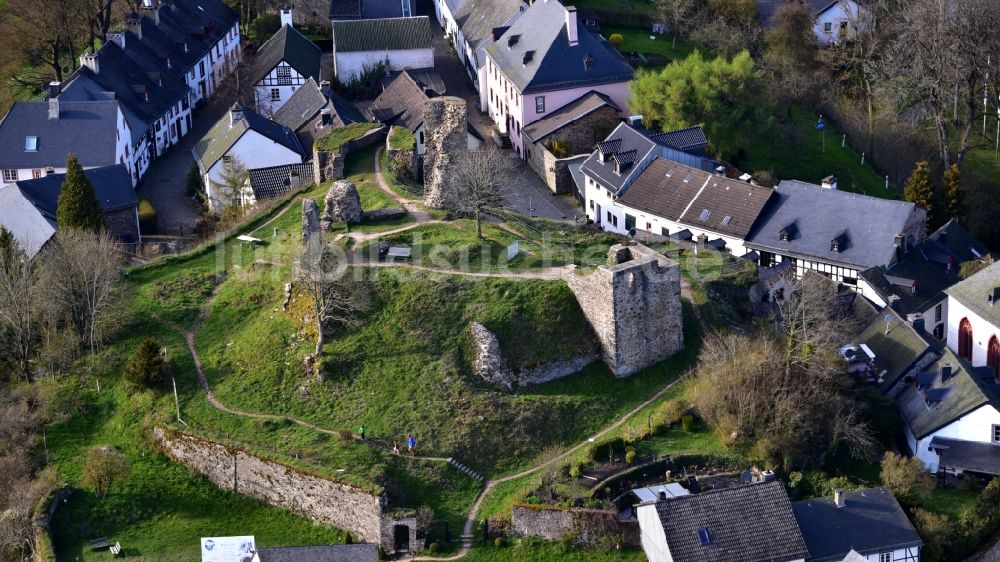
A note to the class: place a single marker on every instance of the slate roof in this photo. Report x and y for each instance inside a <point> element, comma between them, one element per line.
<point>973,292</point>
<point>22,219</point>
<point>867,225</point>
<point>623,138</point>
<point>112,185</point>
<point>968,455</point>
<point>268,183</point>
<point>576,109</point>
<point>402,102</point>
<point>477,19</point>
<point>695,198</point>
<point>369,9</point>
<point>223,135</point>
<point>201,23</point>
<point>288,45</point>
<point>896,349</point>
<point>302,113</point>
<point>691,139</point>
<point>767,8</point>
<point>932,266</point>
<point>752,523</point>
<point>331,553</point>
<point>870,522</point>
<point>555,65</point>
<point>391,34</point>
<point>86,128</point>
<point>967,389</point>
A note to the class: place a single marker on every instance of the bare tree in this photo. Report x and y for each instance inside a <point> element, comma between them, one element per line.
<point>790,61</point>
<point>812,316</point>
<point>102,467</point>
<point>678,13</point>
<point>336,301</point>
<point>483,179</point>
<point>18,305</point>
<point>84,282</point>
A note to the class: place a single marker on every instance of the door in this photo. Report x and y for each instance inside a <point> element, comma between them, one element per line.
<point>401,538</point>
<point>597,217</point>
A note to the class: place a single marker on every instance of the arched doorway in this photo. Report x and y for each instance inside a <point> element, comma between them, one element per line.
<point>993,356</point>
<point>965,339</point>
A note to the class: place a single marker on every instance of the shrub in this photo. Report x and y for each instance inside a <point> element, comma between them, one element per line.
<point>936,530</point>
<point>630,457</point>
<point>434,547</point>
<point>498,542</point>
<point>145,368</point>
<point>575,471</point>
<point>147,216</point>
<point>192,182</point>
<point>345,435</point>
<point>102,467</point>
<point>348,539</point>
<point>687,422</point>
<point>671,412</point>
<point>616,40</point>
<point>906,477</point>
<point>382,554</point>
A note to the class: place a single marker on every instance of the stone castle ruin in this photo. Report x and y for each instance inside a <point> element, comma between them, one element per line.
<point>634,307</point>
<point>342,204</point>
<point>445,140</point>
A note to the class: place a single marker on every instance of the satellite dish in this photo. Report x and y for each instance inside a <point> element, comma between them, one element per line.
<point>631,232</point>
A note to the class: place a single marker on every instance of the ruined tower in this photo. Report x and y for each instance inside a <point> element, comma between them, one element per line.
<point>445,140</point>
<point>634,307</point>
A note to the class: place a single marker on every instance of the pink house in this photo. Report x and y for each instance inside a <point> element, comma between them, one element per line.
<point>544,61</point>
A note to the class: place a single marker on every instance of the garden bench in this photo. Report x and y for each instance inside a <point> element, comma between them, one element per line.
<point>116,548</point>
<point>98,544</point>
<point>398,252</point>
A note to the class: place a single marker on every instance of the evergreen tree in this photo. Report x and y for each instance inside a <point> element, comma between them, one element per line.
<point>78,206</point>
<point>952,195</point>
<point>145,368</point>
<point>920,191</point>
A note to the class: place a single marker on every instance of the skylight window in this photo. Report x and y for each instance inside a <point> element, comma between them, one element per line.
<point>703,537</point>
<point>670,173</point>
<point>726,220</point>
<point>31,144</point>
<point>705,214</point>
<point>688,178</point>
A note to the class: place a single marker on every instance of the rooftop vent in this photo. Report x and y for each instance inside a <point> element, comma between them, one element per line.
<point>670,173</point>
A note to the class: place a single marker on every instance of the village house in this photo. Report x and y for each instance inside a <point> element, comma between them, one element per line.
<point>472,26</point>
<point>534,67</point>
<point>402,103</point>
<point>835,233</point>
<point>360,46</point>
<point>835,19</point>
<point>915,283</point>
<point>28,207</point>
<point>370,9</point>
<point>313,111</point>
<point>242,138</point>
<point>136,93</point>
<point>282,65</point>
<point>36,137</point>
<point>974,319</point>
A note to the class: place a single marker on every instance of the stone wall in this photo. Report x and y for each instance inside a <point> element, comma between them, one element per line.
<point>341,204</point>
<point>343,506</point>
<point>634,307</point>
<point>310,219</point>
<point>554,172</point>
<point>401,158</point>
<point>578,138</point>
<point>490,364</point>
<point>329,165</point>
<point>588,526</point>
<point>445,140</point>
<point>123,222</point>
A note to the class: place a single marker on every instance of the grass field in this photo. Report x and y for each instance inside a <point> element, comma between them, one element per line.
<point>641,40</point>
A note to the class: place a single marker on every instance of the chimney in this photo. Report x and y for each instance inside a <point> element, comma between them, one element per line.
<point>326,117</point>
<point>829,182</point>
<point>945,372</point>
<point>116,37</point>
<point>662,496</point>
<point>90,61</point>
<point>916,322</point>
<point>324,87</point>
<point>235,114</point>
<point>54,104</point>
<point>571,30</point>
<point>635,120</point>
<point>286,16</point>
<point>839,497</point>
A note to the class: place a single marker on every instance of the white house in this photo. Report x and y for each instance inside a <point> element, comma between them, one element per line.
<point>242,137</point>
<point>835,19</point>
<point>974,318</point>
<point>472,26</point>
<point>714,526</point>
<point>396,43</point>
<point>282,65</point>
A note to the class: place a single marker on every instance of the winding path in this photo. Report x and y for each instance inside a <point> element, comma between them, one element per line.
<point>422,217</point>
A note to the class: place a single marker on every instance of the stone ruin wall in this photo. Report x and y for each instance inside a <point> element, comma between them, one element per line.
<point>491,365</point>
<point>590,526</point>
<point>403,158</point>
<point>329,165</point>
<point>343,506</point>
<point>310,219</point>
<point>633,304</point>
<point>445,140</point>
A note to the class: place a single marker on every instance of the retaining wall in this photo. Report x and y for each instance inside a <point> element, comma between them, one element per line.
<point>329,165</point>
<point>584,526</point>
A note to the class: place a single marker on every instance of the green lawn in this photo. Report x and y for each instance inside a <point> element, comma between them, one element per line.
<point>641,40</point>
<point>624,5</point>
<point>798,153</point>
<point>408,189</point>
<point>530,550</point>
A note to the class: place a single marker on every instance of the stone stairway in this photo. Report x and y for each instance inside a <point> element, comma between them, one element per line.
<point>468,471</point>
<point>467,541</point>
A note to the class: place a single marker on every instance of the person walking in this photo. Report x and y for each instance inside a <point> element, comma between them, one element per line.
<point>362,432</point>
<point>395,448</point>
<point>411,442</point>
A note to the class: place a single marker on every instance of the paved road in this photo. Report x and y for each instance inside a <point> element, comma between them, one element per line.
<point>163,183</point>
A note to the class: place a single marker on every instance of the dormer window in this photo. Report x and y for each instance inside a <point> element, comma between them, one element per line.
<point>512,40</point>
<point>31,144</point>
<point>527,57</point>
<point>783,235</point>
<point>834,245</point>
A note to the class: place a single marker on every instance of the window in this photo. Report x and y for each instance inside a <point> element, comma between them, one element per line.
<point>996,433</point>
<point>31,144</point>
<point>629,222</point>
<point>539,104</point>
<point>828,27</point>
<point>843,25</point>
<point>939,331</point>
<point>275,94</point>
<point>937,312</point>
<point>201,67</point>
<point>993,356</point>
<point>649,226</point>
<point>9,175</point>
<point>591,204</point>
<point>284,75</point>
<point>885,557</point>
<point>421,137</point>
<point>36,173</point>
